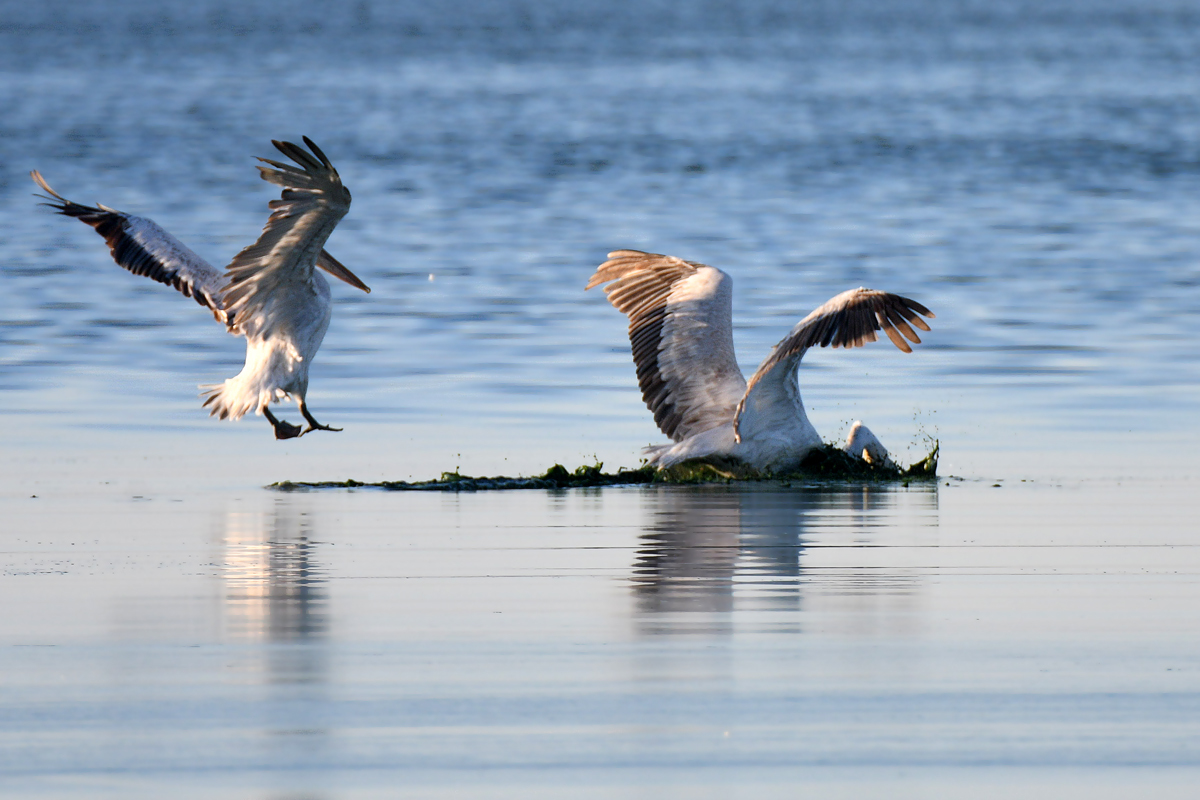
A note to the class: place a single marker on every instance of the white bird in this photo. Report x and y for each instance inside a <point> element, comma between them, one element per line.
<point>681,332</point>
<point>270,293</point>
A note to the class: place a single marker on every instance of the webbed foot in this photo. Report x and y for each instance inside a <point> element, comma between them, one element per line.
<point>313,425</point>
<point>283,428</point>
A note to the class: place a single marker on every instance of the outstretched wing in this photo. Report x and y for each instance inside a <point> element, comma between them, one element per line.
<point>680,329</point>
<point>312,203</point>
<point>850,319</point>
<point>143,248</point>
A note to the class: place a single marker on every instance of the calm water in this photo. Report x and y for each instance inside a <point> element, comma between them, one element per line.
<point>711,643</point>
<point>1030,171</point>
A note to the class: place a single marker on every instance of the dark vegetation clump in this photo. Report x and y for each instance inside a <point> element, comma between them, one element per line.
<point>834,463</point>
<point>557,477</point>
<point>827,463</point>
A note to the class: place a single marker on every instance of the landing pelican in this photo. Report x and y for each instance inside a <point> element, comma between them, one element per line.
<point>270,293</point>
<point>681,331</point>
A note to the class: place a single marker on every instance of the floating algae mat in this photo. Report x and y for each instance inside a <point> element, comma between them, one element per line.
<point>825,464</point>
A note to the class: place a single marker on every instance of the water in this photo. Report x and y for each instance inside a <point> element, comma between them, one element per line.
<point>1030,171</point>
<point>860,642</point>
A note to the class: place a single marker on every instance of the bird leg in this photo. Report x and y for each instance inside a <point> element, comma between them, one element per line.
<point>283,428</point>
<point>313,425</point>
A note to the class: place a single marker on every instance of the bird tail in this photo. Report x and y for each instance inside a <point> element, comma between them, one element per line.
<point>238,396</point>
<point>273,371</point>
<point>657,455</point>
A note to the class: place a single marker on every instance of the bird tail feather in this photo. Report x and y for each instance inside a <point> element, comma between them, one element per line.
<point>238,396</point>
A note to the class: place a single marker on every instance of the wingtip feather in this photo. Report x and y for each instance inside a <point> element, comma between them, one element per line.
<point>897,339</point>
<point>296,153</point>
<point>317,152</point>
<point>45,187</point>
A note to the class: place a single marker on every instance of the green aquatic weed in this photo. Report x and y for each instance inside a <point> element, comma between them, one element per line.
<point>826,463</point>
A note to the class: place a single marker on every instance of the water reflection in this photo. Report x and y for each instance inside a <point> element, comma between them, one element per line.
<point>714,550</point>
<point>275,588</point>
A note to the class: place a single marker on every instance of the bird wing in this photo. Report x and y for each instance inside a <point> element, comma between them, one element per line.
<point>142,247</point>
<point>312,203</point>
<point>850,319</point>
<point>680,329</point>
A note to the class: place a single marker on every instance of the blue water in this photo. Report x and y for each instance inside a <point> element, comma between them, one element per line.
<point>1030,171</point>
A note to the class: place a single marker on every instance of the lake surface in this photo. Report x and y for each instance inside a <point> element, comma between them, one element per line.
<point>856,642</point>
<point>1029,171</point>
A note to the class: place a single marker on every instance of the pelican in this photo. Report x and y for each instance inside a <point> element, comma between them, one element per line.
<point>681,332</point>
<point>270,293</point>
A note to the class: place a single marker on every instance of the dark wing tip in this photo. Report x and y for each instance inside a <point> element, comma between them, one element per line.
<point>92,215</point>
<point>45,187</point>
<point>915,306</point>
<point>317,151</point>
<point>298,154</point>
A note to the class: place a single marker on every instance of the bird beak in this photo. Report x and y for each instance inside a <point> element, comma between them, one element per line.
<point>338,270</point>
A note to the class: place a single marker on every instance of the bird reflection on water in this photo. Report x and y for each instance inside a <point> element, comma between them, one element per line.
<point>276,590</point>
<point>712,551</point>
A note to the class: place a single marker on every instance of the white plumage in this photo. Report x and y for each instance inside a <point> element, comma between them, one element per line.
<point>271,292</point>
<point>681,332</point>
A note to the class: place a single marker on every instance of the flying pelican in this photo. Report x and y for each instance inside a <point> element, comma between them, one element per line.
<point>270,292</point>
<point>681,332</point>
